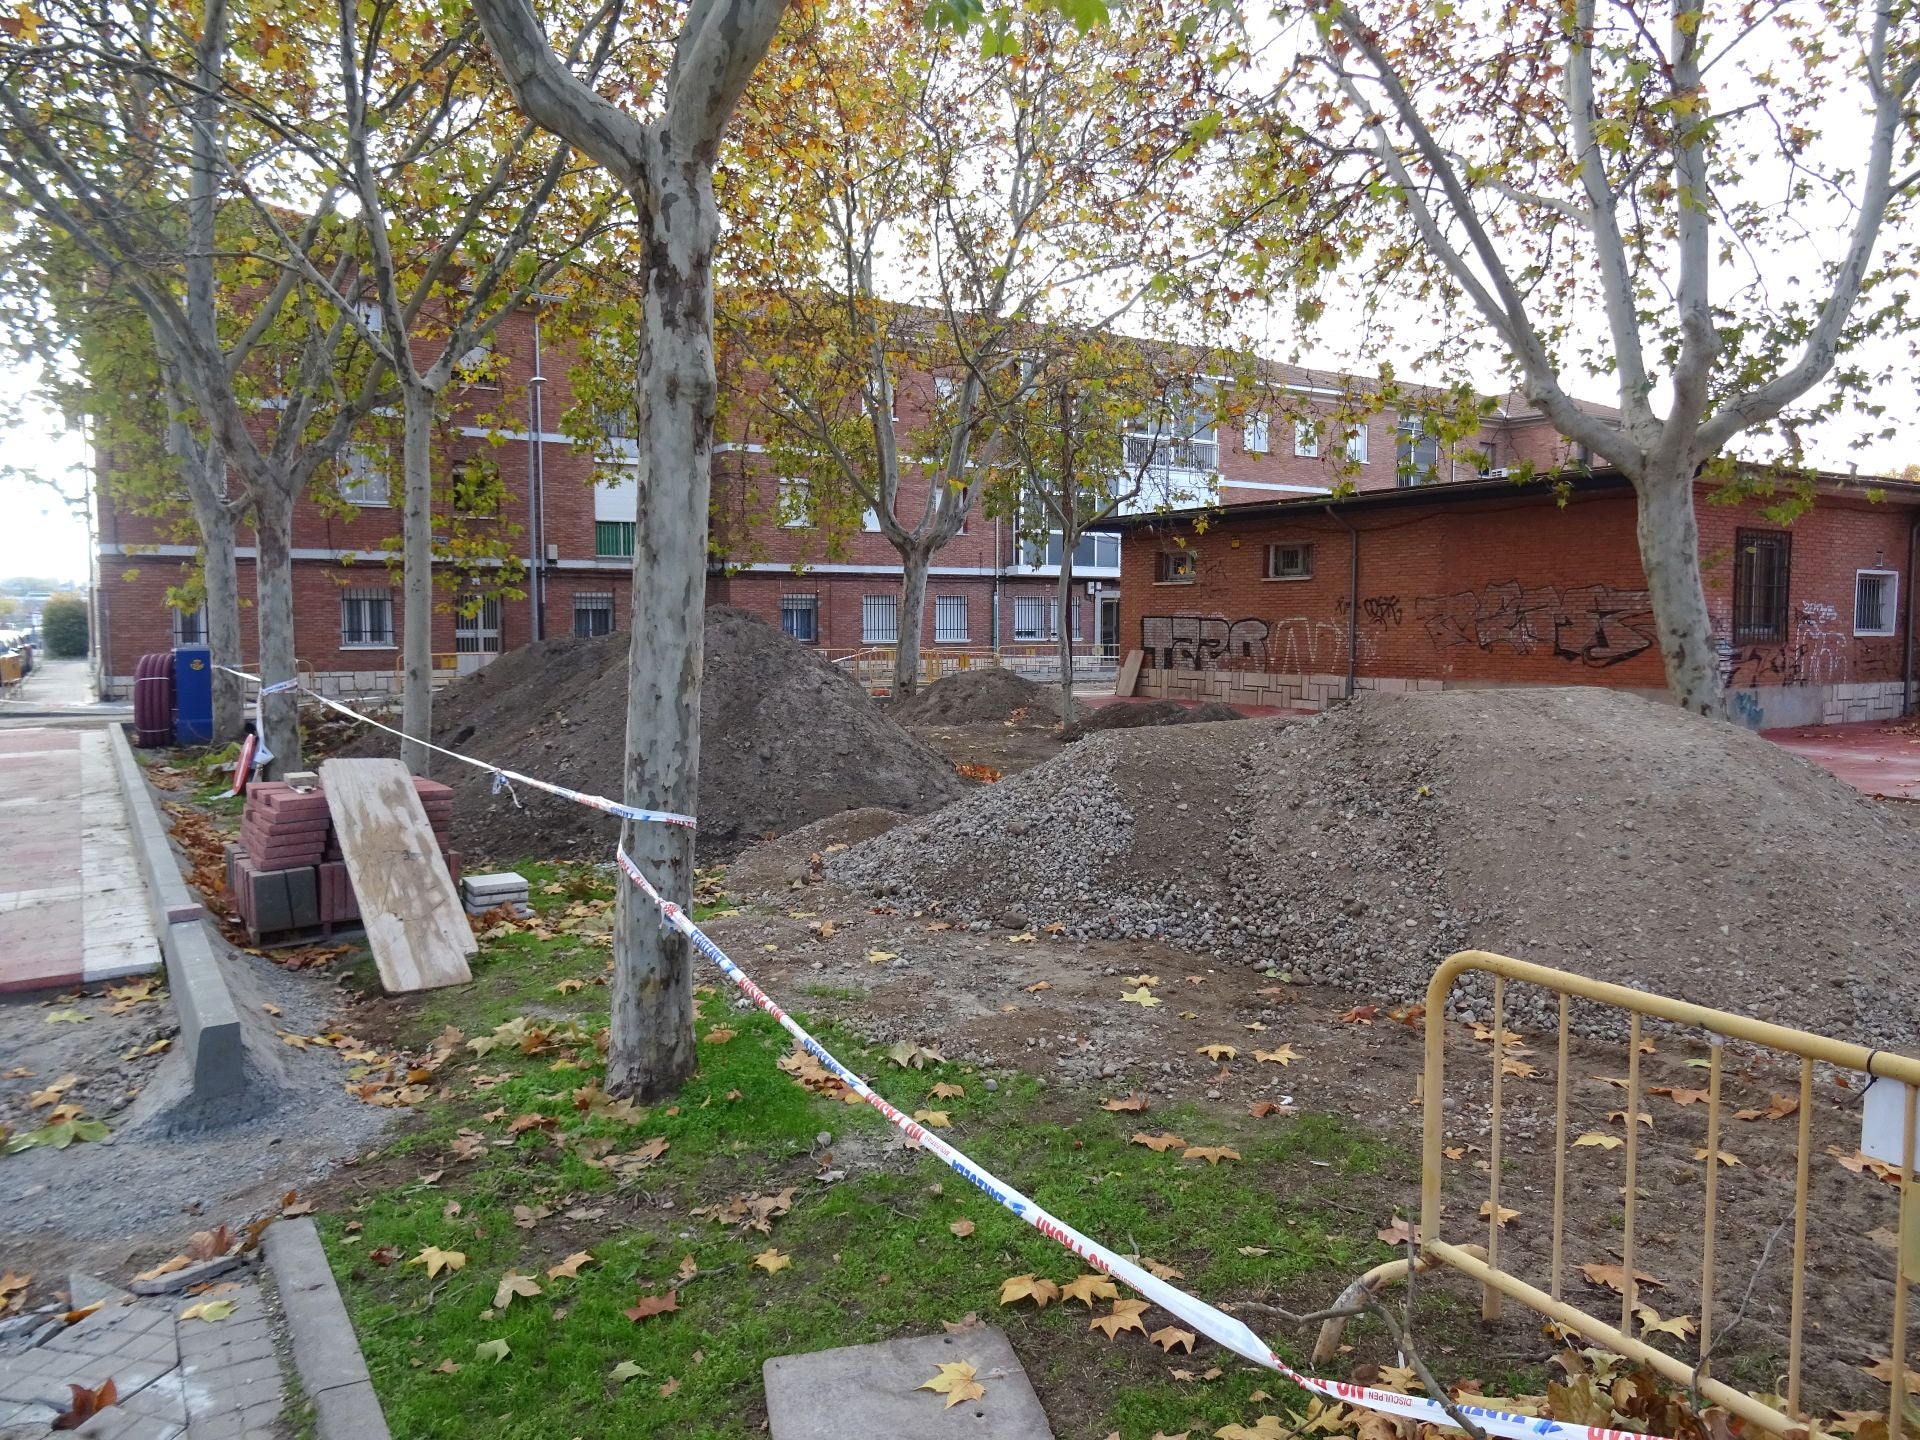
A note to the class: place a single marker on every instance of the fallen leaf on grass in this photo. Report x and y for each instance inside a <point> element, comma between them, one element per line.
<point>624,1372</point>
<point>208,1310</point>
<point>86,1404</point>
<point>968,1321</point>
<point>904,1053</point>
<point>1486,1213</point>
<point>955,1381</point>
<point>689,1267</point>
<point>1267,1427</point>
<point>526,1217</point>
<point>1218,1052</point>
<point>447,1367</point>
<point>1614,1277</point>
<point>1212,1154</point>
<point>647,1306</point>
<point>1399,1232</point>
<point>1600,1140</point>
<point>1167,1337</point>
<point>934,1119</point>
<point>436,1260</point>
<point>1128,1104</point>
<point>1157,1143</point>
<point>569,985</point>
<point>944,1091</point>
<point>719,1035</point>
<point>494,1350</point>
<point>513,1284</point>
<point>1089,1288</point>
<point>1285,1055</point>
<point>962,1228</point>
<point>668,1388</point>
<point>1026,1287</point>
<point>772,1261</point>
<point>1727,1157</point>
<point>1125,1315</point>
<point>1142,997</point>
<point>1261,1109</point>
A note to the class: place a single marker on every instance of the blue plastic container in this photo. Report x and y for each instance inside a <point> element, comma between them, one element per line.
<point>193,695</point>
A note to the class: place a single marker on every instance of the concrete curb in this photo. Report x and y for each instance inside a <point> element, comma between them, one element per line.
<point>209,1020</point>
<point>325,1351</point>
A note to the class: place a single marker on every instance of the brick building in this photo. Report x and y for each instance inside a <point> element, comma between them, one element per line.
<point>1299,601</point>
<point>568,512</point>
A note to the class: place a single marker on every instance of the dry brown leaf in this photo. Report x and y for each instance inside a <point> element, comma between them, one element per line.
<point>962,1228</point>
<point>1089,1288</point>
<point>1157,1143</point>
<point>1727,1157</point>
<point>1399,1232</point>
<point>1218,1051</point>
<point>1285,1055</point>
<point>1025,1287</point>
<point>1614,1277</point>
<point>956,1381</point>
<point>1168,1336</point>
<point>86,1404</point>
<point>1680,1095</point>
<point>772,1261</point>
<point>1125,1315</point>
<point>512,1285</point>
<point>1600,1140</point>
<point>1128,1104</point>
<point>1212,1154</point>
<point>1506,1215</point>
<point>569,1268</point>
<point>1260,1109</point>
<point>647,1306</point>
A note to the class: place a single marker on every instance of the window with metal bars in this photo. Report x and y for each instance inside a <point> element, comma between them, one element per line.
<point>1762,572</point>
<point>592,615</point>
<point>366,618</point>
<point>800,617</point>
<point>1033,617</point>
<point>476,625</point>
<point>879,620</point>
<point>613,539</point>
<point>949,619</point>
<point>190,626</point>
<point>1874,595</point>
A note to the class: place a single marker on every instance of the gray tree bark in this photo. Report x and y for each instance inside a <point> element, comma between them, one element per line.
<point>915,560</point>
<point>1068,539</point>
<point>1669,534</point>
<point>215,523</point>
<point>416,575</point>
<point>273,607</point>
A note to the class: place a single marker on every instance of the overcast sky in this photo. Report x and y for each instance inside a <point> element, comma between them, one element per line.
<point>38,534</point>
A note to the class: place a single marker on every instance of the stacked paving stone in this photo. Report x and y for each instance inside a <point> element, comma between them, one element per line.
<point>287,874</point>
<point>481,893</point>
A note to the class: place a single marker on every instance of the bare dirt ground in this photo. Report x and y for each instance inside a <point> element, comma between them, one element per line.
<point>1005,992</point>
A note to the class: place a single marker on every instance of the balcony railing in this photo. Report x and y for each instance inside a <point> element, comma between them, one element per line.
<point>1164,452</point>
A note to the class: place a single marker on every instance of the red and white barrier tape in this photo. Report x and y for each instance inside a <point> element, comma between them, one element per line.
<point>1216,1324</point>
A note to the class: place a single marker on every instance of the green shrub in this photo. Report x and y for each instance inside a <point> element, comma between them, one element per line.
<point>63,624</point>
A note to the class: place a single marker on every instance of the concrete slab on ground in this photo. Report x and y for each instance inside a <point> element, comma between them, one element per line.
<point>867,1392</point>
<point>73,905</point>
<point>1873,757</point>
<point>59,687</point>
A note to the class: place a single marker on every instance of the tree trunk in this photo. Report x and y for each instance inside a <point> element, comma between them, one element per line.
<point>223,617</point>
<point>652,1049</point>
<point>913,609</point>
<point>1670,553</point>
<point>1065,603</point>
<point>416,550</point>
<point>273,610</point>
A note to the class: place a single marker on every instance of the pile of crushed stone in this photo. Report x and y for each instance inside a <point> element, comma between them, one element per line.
<point>785,738</point>
<point>1583,829</point>
<point>967,697</point>
<point>1149,712</point>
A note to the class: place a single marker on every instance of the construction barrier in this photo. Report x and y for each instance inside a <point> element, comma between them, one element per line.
<point>1720,1026</point>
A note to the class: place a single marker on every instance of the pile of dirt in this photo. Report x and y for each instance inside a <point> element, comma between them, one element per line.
<point>1150,712</point>
<point>785,738</point>
<point>988,693</point>
<point>1584,829</point>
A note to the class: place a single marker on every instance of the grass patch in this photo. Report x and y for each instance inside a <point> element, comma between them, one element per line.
<point>873,1253</point>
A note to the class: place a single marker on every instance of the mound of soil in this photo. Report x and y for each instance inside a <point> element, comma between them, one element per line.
<point>1584,829</point>
<point>785,738</point>
<point>1151,712</point>
<point>989,693</point>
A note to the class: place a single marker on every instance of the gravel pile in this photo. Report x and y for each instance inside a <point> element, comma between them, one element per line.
<point>1580,828</point>
<point>785,738</point>
<point>988,693</point>
<point>1150,712</point>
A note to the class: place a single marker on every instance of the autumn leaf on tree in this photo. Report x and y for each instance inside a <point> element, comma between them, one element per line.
<point>647,1306</point>
<point>1128,1104</point>
<point>512,1284</point>
<point>1142,997</point>
<point>1218,1052</point>
<point>1025,1287</point>
<point>1089,1288</point>
<point>1157,1143</point>
<point>772,1261</point>
<point>1285,1055</point>
<point>1125,1315</point>
<point>1168,1336</point>
<point>1212,1154</point>
<point>86,1404</point>
<point>436,1260</point>
<point>956,1381</point>
<point>567,1269</point>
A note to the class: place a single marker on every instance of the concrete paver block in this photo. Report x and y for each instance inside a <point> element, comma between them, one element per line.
<point>867,1392</point>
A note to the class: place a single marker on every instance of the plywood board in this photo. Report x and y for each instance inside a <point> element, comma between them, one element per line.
<point>1129,677</point>
<point>414,919</point>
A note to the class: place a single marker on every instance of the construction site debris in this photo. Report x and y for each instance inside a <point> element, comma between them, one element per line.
<point>1585,829</point>
<point>1148,712</point>
<point>986,693</point>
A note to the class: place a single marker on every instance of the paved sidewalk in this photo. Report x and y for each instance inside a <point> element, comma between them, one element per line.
<point>72,904</point>
<point>176,1379</point>
<point>1874,757</point>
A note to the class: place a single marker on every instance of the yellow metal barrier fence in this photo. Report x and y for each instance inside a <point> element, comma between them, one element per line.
<point>1484,1266</point>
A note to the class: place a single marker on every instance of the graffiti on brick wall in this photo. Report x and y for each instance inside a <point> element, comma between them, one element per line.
<point>1297,645</point>
<point>1596,625</point>
<point>1818,651</point>
<point>1382,610</point>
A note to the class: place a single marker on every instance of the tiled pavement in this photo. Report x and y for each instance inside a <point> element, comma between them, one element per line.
<point>72,904</point>
<point>176,1379</point>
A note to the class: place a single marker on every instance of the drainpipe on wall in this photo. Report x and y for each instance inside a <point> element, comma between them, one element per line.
<point>1353,597</point>
<point>1906,670</point>
<point>997,563</point>
<point>536,501</point>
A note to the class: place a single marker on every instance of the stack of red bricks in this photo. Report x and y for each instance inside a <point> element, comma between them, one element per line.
<point>288,874</point>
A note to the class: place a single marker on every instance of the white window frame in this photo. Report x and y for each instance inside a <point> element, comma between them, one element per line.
<point>366,595</point>
<point>362,463</point>
<point>794,494</point>
<point>1039,619</point>
<point>1306,439</point>
<point>1357,444</point>
<point>1161,570</point>
<point>478,633</point>
<point>1277,548</point>
<point>872,630</point>
<point>1412,431</point>
<point>182,632</point>
<point>1256,434</point>
<point>1890,601</point>
<point>808,605</point>
<point>944,632</point>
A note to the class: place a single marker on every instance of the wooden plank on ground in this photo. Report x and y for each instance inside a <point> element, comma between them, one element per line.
<point>1129,676</point>
<point>415,923</point>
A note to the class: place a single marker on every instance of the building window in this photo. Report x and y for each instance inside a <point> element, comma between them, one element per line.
<point>795,496</point>
<point>592,615</point>
<point>870,520</point>
<point>1289,562</point>
<point>800,617</point>
<point>879,620</point>
<point>366,618</point>
<point>363,476</point>
<point>1253,435</point>
<point>1417,455</point>
<point>476,625</point>
<point>476,366</point>
<point>949,619</point>
<point>476,496</point>
<point>1176,567</point>
<point>1874,595</point>
<point>613,539</point>
<point>1033,617</point>
<point>1306,439</point>
<point>190,626</point>
<point>1096,551</point>
<point>1357,444</point>
<point>1178,435</point>
<point>1762,567</point>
